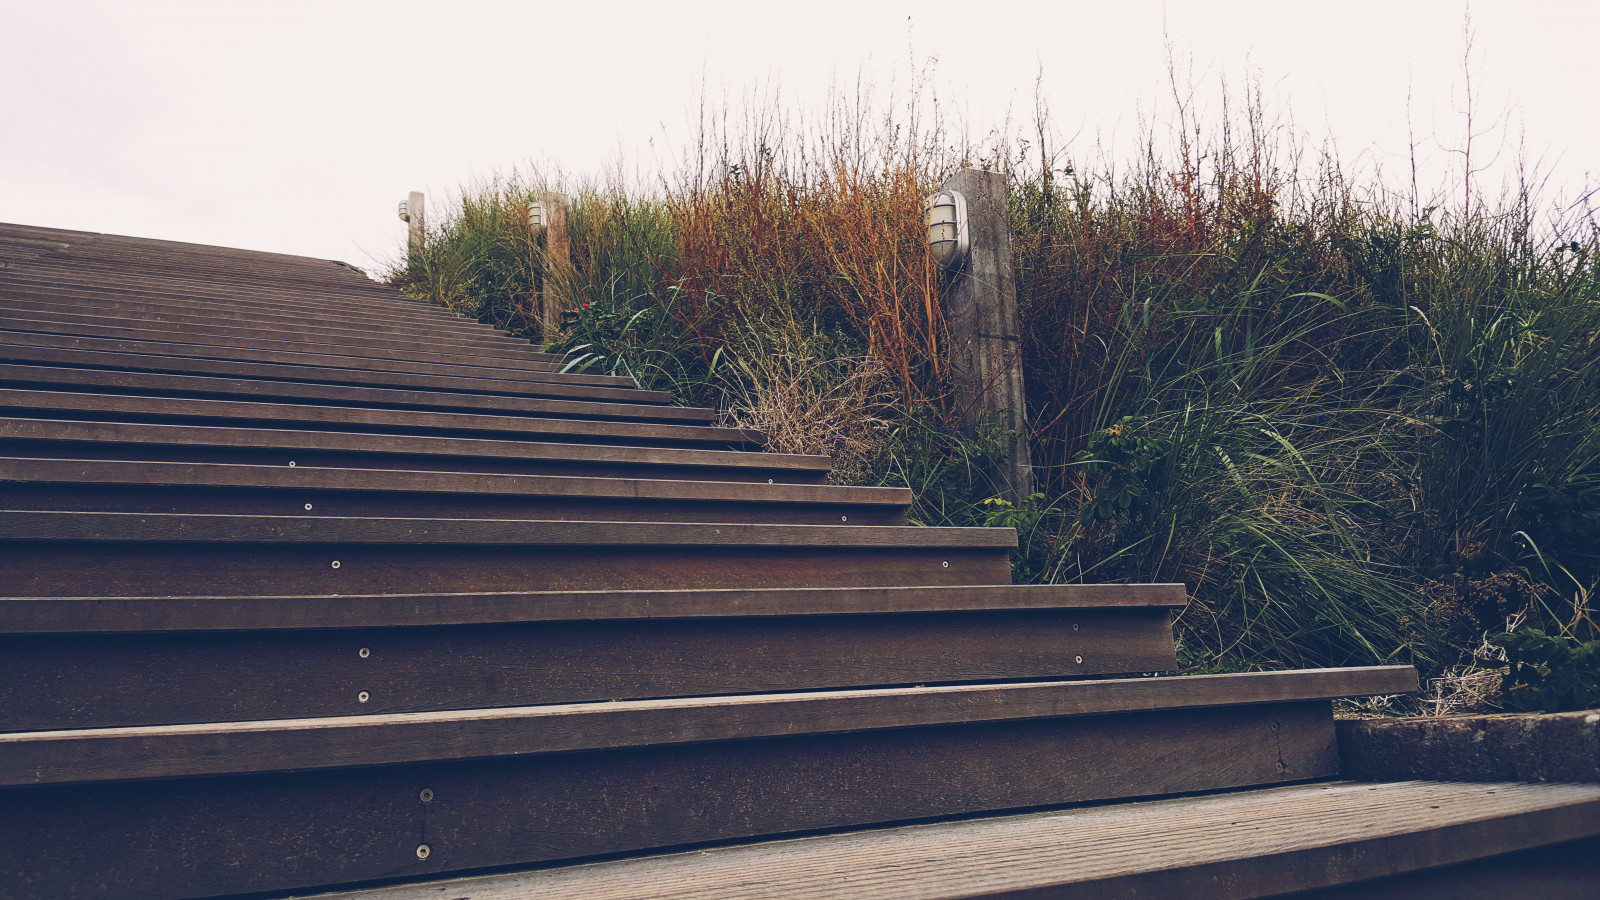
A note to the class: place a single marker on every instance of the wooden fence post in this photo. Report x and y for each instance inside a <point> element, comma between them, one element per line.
<point>981,314</point>
<point>558,260</point>
<point>412,215</point>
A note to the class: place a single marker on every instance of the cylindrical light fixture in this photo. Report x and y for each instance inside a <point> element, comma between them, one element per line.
<point>536,214</point>
<point>405,212</point>
<point>948,237</point>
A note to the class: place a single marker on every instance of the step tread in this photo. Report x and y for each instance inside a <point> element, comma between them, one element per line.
<point>135,433</point>
<point>100,754</point>
<point>1244,844</point>
<point>182,474</point>
<point>60,615</point>
<point>32,525</point>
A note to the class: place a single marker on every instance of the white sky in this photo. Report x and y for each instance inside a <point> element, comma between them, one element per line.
<point>298,126</point>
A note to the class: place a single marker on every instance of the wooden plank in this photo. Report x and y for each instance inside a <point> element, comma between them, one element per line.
<point>213,489</point>
<point>137,406</point>
<point>1276,841</point>
<point>138,362</point>
<point>207,836</point>
<point>195,338</point>
<point>56,377</point>
<point>59,438</point>
<point>86,568</point>
<point>99,681</point>
<point>309,360</point>
<point>171,751</point>
<point>62,317</point>
<point>64,615</point>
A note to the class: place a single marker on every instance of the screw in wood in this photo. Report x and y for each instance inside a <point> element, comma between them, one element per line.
<point>291,463</point>
<point>363,697</point>
<point>364,652</point>
<point>308,507</point>
<point>844,518</point>
<point>1078,660</point>
<point>336,564</point>
<point>426,795</point>
<point>1074,626</point>
<point>946,564</point>
<point>423,850</point>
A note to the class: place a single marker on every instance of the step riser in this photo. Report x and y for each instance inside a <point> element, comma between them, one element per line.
<point>159,569</point>
<point>200,837</point>
<point>60,682</point>
<point>600,468</point>
<point>292,502</point>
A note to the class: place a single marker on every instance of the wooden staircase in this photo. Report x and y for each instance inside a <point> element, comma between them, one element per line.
<point>307,586</point>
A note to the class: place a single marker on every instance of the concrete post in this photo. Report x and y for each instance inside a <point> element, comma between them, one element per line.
<point>980,306</point>
<point>414,224</point>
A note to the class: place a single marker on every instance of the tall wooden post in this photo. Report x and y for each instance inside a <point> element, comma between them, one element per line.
<point>558,262</point>
<point>981,314</point>
<point>414,224</point>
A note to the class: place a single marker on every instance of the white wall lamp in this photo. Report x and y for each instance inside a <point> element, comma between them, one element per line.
<point>405,211</point>
<point>536,217</point>
<point>948,237</point>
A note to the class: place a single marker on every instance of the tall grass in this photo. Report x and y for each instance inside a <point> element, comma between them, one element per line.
<point>1360,424</point>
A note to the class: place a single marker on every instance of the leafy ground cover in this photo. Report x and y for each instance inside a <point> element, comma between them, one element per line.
<point>1363,425</point>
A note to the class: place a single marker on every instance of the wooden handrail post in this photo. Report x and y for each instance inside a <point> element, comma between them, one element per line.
<point>411,213</point>
<point>980,304</point>
<point>548,214</point>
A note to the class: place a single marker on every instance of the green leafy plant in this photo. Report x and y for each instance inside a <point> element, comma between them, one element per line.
<point>1552,672</point>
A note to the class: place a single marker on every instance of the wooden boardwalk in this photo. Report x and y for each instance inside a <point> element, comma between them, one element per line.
<point>311,588</point>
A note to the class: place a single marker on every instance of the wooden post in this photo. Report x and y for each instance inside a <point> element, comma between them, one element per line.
<point>558,261</point>
<point>981,313</point>
<point>413,218</point>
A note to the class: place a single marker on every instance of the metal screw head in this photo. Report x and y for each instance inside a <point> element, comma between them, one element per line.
<point>336,564</point>
<point>363,697</point>
<point>946,564</point>
<point>1280,766</point>
<point>291,463</point>
<point>364,652</point>
<point>1078,660</point>
<point>844,518</point>
<point>769,481</point>
<point>1074,626</point>
<point>423,850</point>
<point>308,507</point>
<point>426,795</point>
<point>1276,726</point>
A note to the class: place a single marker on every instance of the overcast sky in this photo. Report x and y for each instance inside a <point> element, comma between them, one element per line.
<point>298,126</point>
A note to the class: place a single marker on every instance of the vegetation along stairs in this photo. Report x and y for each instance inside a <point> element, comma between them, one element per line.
<point>309,587</point>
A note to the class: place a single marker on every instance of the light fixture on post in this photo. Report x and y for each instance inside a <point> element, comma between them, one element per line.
<point>405,212</point>
<point>948,236</point>
<point>536,214</point>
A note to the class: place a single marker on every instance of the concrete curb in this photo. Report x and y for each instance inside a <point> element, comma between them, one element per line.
<point>1510,747</point>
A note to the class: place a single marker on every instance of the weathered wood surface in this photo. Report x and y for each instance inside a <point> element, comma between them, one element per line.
<point>207,836</point>
<point>182,365</point>
<point>92,681</point>
<point>114,614</point>
<point>1272,842</point>
<point>36,402</point>
<point>109,754</point>
<point>61,438</point>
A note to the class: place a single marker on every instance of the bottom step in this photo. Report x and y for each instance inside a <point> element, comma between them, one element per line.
<point>1381,839</point>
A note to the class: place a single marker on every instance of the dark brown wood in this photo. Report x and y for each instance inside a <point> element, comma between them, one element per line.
<point>49,438</point>
<point>66,615</point>
<point>144,407</point>
<point>84,568</point>
<point>139,362</point>
<point>199,837</point>
<point>255,389</point>
<point>116,680</point>
<point>1451,840</point>
<point>114,754</point>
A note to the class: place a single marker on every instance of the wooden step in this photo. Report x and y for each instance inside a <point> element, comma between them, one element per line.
<point>279,808</point>
<point>61,315</point>
<point>307,362</point>
<point>356,354</point>
<point>157,487</point>
<point>147,408</point>
<point>177,365</point>
<point>73,439</point>
<point>119,661</point>
<point>1374,841</point>
<point>80,554</point>
<point>258,389</point>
